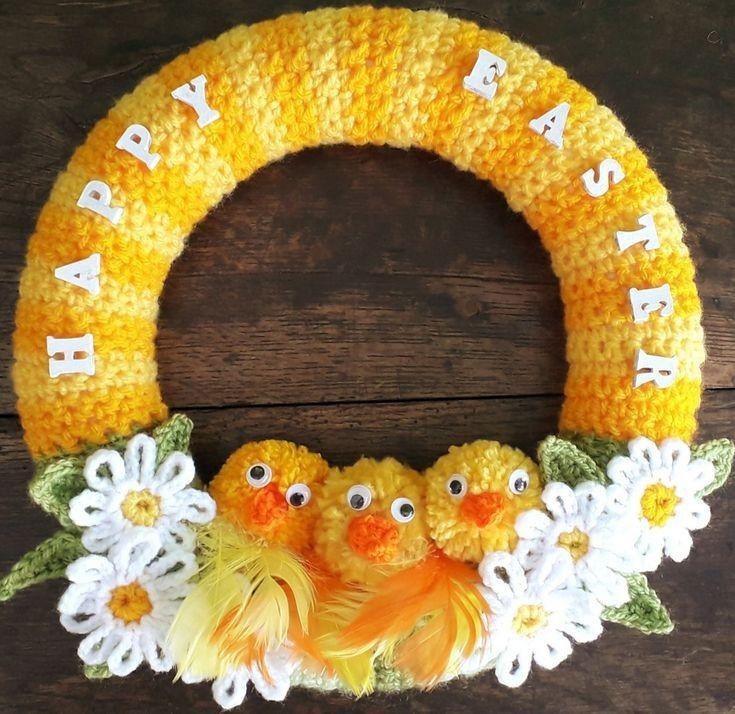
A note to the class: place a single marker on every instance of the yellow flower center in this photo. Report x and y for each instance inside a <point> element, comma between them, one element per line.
<point>141,507</point>
<point>130,602</point>
<point>529,618</point>
<point>575,542</point>
<point>658,503</point>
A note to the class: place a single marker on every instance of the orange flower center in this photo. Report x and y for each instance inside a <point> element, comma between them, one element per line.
<point>141,508</point>
<point>658,503</point>
<point>130,602</point>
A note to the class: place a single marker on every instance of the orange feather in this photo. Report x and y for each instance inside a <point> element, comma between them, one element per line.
<point>431,613</point>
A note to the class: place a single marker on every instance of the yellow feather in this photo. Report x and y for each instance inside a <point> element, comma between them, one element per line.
<point>240,607</point>
<point>355,667</point>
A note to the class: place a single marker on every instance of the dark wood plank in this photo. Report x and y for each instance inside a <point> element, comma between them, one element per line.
<point>691,668</point>
<point>377,216</point>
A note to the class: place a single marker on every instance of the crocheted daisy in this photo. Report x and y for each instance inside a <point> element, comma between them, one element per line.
<point>124,602</point>
<point>129,492</point>
<point>535,614</point>
<point>658,487</point>
<point>598,544</point>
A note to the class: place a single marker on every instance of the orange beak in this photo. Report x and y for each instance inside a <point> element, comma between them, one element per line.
<point>481,508</point>
<point>373,537</point>
<point>268,507</point>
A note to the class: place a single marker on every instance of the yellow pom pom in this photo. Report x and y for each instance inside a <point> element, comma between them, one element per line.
<point>269,489</point>
<point>371,520</point>
<point>474,494</point>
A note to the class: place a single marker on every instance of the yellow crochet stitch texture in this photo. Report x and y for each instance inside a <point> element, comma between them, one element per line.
<point>359,76</point>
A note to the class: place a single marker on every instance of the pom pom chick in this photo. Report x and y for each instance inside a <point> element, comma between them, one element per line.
<point>256,589</point>
<point>404,601</point>
<point>474,494</point>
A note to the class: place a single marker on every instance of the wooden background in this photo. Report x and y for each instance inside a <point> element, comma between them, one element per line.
<point>371,301</point>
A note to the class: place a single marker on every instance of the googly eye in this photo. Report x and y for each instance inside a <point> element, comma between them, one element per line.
<point>402,510</point>
<point>519,481</point>
<point>456,486</point>
<point>298,495</point>
<point>259,475</point>
<point>359,497</point>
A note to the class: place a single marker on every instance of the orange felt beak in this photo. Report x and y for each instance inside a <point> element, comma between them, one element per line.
<point>372,537</point>
<point>268,507</point>
<point>481,508</point>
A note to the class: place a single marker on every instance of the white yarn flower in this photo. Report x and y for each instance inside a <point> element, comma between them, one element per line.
<point>230,690</point>
<point>124,602</point>
<point>658,486</point>
<point>129,492</point>
<point>535,614</point>
<point>598,544</point>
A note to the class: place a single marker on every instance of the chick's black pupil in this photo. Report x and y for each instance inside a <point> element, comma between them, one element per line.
<point>406,510</point>
<point>455,486</point>
<point>520,484</point>
<point>257,472</point>
<point>357,501</point>
<point>297,499</point>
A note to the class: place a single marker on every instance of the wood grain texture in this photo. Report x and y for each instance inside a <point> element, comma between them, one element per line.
<point>372,301</point>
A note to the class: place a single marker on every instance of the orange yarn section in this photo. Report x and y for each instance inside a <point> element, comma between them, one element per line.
<point>356,75</point>
<point>373,537</point>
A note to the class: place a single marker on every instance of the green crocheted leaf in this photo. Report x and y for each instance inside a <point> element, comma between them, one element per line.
<point>644,611</point>
<point>97,671</point>
<point>172,435</point>
<point>561,460</point>
<point>46,561</point>
<point>59,479</point>
<point>600,450</point>
<point>720,452</point>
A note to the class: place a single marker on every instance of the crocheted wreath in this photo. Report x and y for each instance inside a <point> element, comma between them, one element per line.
<point>286,571</point>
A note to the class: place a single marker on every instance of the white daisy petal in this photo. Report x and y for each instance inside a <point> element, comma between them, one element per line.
<point>100,538</point>
<point>559,500</point>
<point>697,476</point>
<point>176,535</point>
<point>230,691</point>
<point>551,649</point>
<point>591,501</point>
<point>188,677</point>
<point>532,524</point>
<point>503,574</point>
<point>275,686</point>
<point>645,453</point>
<point>89,508</point>
<point>675,455</point>
<point>677,543</point>
<point>193,506</point>
<point>96,647</point>
<point>693,514</point>
<point>140,458</point>
<point>174,474</point>
<point>513,667</point>
<point>134,551</point>
<point>103,470</point>
<point>126,656</point>
<point>154,653</point>
<point>90,568</point>
<point>81,623</point>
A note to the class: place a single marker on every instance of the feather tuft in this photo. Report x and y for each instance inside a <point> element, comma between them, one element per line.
<point>430,615</point>
<point>248,594</point>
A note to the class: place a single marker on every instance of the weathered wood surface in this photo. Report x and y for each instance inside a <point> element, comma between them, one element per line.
<point>371,301</point>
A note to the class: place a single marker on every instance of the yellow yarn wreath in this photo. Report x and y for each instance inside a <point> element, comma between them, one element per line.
<point>371,576</point>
